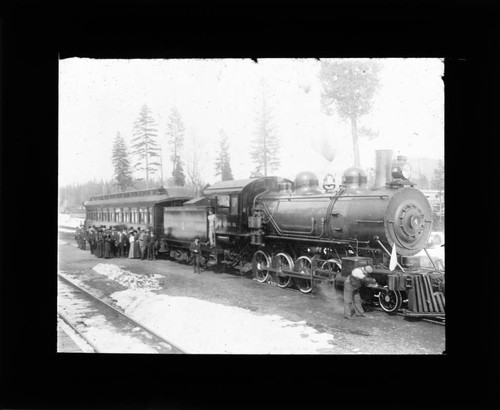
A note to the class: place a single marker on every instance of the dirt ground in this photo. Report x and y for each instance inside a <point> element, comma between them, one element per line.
<point>377,333</point>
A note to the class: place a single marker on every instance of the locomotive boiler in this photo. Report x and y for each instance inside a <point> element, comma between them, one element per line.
<point>391,212</point>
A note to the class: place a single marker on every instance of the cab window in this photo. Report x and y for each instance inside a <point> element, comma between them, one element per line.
<point>234,205</point>
<point>223,204</point>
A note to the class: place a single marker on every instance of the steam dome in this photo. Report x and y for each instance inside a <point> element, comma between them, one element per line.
<point>354,178</point>
<point>306,182</point>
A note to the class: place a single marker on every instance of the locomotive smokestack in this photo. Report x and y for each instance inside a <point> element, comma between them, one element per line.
<point>383,165</point>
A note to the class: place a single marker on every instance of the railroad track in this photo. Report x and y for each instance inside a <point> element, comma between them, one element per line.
<point>86,308</point>
<point>423,319</point>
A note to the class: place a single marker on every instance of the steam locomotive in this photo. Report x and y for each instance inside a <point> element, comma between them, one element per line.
<point>293,234</point>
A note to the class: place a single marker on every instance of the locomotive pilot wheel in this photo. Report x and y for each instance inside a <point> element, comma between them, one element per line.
<point>282,261</point>
<point>390,300</point>
<point>260,262</point>
<point>304,266</point>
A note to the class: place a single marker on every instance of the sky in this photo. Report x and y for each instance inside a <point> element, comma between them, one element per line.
<point>98,98</point>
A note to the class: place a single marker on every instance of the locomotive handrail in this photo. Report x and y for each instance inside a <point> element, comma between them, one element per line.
<point>332,204</point>
<point>256,196</point>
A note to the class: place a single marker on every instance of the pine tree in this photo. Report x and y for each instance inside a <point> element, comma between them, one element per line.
<point>175,132</point>
<point>222,162</point>
<point>265,147</point>
<point>144,144</point>
<point>350,86</point>
<point>123,173</point>
<point>178,174</point>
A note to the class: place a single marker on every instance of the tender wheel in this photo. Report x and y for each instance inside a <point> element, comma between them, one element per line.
<point>390,300</point>
<point>303,265</point>
<point>260,262</point>
<point>282,261</point>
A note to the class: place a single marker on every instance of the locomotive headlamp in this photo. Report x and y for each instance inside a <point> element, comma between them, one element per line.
<point>401,169</point>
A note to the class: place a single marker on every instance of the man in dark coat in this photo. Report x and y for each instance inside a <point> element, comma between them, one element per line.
<point>195,249</point>
<point>90,239</point>
<point>352,285</point>
<point>107,245</point>
<point>152,245</point>
<point>125,243</point>
<point>99,244</point>
<point>113,248</point>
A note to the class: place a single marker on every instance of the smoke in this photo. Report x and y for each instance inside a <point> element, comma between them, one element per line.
<point>333,297</point>
<point>326,149</point>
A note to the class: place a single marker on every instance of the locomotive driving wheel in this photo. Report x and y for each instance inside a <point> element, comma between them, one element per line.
<point>390,300</point>
<point>282,261</point>
<point>304,266</point>
<point>260,263</point>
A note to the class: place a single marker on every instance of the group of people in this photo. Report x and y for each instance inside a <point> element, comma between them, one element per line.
<point>115,243</point>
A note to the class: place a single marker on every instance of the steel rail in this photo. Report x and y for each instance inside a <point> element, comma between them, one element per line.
<point>80,334</point>
<point>424,319</point>
<point>121,314</point>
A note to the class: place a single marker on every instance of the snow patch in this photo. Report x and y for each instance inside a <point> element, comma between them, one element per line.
<point>198,326</point>
<point>66,230</point>
<point>127,278</point>
<point>67,220</point>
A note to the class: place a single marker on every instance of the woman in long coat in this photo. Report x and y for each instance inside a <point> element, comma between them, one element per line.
<point>107,245</point>
<point>137,247</point>
<point>98,248</point>
<point>131,240</point>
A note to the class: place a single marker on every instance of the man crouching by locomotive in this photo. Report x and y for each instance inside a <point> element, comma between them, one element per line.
<point>352,285</point>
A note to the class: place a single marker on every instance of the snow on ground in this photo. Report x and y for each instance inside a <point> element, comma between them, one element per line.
<point>66,230</point>
<point>127,278</point>
<point>95,327</point>
<point>198,326</point>
<point>109,341</point>
<point>67,220</point>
